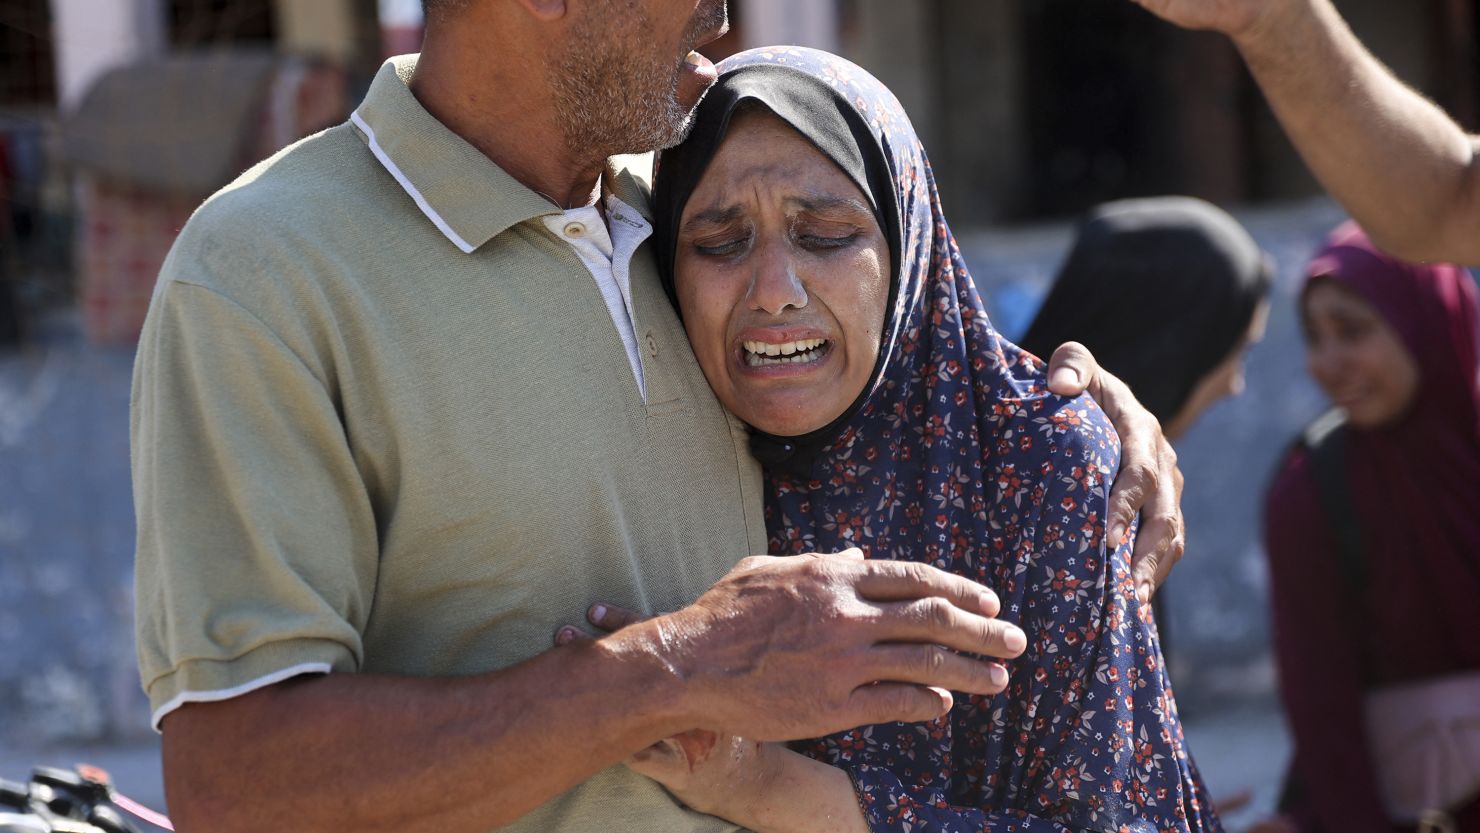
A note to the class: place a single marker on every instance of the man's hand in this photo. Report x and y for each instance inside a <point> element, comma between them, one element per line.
<point>804,646</point>
<point>1231,17</point>
<point>1149,481</point>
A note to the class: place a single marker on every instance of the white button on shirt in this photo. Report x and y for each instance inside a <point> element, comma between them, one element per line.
<point>607,249</point>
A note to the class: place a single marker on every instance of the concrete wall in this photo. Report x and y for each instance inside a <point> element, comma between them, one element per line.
<point>345,32</point>
<point>92,37</point>
<point>980,142</point>
<point>897,43</point>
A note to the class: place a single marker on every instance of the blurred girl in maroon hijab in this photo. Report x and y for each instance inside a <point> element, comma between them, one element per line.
<point>1385,592</point>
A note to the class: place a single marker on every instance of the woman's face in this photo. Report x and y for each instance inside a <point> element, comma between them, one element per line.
<point>782,274</point>
<point>1356,358</point>
<point>1225,380</point>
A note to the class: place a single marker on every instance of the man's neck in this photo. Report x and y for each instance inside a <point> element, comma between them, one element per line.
<point>507,118</point>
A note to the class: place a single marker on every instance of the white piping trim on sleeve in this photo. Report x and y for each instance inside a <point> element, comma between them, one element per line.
<point>421,202</point>
<point>236,691</point>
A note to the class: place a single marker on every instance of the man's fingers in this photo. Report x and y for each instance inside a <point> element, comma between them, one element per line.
<point>939,667</point>
<point>613,618</point>
<point>896,702</point>
<point>890,581</point>
<point>1071,368</point>
<point>1163,529</point>
<point>935,621</point>
<point>1158,549</point>
<point>1144,569</point>
<point>1133,484</point>
<point>605,616</point>
<point>569,635</point>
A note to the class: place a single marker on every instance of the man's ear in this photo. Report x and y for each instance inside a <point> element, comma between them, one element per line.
<point>546,10</point>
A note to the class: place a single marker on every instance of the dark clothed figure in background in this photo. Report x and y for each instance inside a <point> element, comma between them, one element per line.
<point>1394,346</point>
<point>1168,293</point>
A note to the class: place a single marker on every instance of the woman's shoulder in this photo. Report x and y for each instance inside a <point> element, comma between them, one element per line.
<point>1050,426</point>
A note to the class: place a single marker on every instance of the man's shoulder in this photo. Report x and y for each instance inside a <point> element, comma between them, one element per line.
<point>302,201</point>
<point>291,187</point>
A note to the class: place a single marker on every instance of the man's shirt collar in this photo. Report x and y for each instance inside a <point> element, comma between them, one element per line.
<point>465,194</point>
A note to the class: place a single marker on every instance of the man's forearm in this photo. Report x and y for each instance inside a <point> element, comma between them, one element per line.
<point>780,648</point>
<point>370,753</point>
<point>1401,166</point>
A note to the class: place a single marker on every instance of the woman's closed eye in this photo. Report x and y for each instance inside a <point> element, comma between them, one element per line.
<point>818,234</point>
<point>732,244</point>
<point>722,247</point>
<point>827,241</point>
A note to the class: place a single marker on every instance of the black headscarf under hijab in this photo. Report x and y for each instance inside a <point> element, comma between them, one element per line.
<point>1160,290</point>
<point>818,112</point>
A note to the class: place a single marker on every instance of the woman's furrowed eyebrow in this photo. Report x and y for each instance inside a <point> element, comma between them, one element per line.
<point>714,217</point>
<point>822,203</point>
<point>811,204</point>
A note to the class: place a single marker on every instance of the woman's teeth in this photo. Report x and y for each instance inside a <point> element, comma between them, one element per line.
<point>761,354</point>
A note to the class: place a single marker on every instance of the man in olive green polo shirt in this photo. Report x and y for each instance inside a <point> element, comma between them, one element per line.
<point>409,398</point>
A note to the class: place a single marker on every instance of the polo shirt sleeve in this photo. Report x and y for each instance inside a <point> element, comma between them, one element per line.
<point>257,544</point>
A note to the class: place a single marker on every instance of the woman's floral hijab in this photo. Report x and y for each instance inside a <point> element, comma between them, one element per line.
<point>957,456</point>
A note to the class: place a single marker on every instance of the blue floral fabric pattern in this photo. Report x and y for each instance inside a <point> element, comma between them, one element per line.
<point>962,458</point>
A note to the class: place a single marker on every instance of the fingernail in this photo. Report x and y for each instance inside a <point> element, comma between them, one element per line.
<point>1015,640</point>
<point>565,635</point>
<point>598,614</point>
<point>1143,592</point>
<point>998,675</point>
<point>989,604</point>
<point>1117,534</point>
<point>1066,376</point>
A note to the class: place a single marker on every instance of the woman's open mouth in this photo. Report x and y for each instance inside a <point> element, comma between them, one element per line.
<point>802,351</point>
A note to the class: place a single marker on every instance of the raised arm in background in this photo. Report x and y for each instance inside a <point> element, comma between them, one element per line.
<point>1406,172</point>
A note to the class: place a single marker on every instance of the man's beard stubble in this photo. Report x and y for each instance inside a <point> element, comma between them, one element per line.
<point>612,93</point>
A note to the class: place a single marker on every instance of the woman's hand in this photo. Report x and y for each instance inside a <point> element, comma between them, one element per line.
<point>1149,481</point>
<point>722,775</point>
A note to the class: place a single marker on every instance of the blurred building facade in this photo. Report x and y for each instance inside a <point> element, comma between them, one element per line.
<point>117,117</point>
<point>70,230</point>
<point>1038,108</point>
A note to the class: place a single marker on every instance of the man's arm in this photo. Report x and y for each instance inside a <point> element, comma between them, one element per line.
<point>1397,162</point>
<point>368,752</point>
<point>781,648</point>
